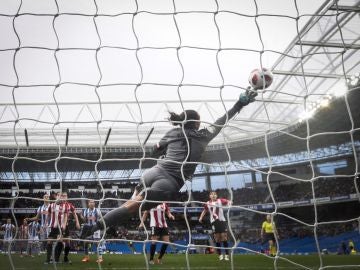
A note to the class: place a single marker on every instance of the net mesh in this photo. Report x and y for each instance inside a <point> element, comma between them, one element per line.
<point>24,74</point>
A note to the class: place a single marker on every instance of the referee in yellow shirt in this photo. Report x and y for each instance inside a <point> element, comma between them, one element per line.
<point>268,231</point>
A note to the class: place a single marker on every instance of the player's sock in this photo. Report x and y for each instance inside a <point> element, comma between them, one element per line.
<point>226,245</point>
<point>273,250</point>
<point>66,252</point>
<point>218,250</point>
<point>101,248</point>
<point>86,249</point>
<point>48,251</point>
<point>162,250</point>
<point>58,250</point>
<point>152,251</point>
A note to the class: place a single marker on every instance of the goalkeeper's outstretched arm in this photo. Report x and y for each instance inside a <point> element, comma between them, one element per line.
<point>244,99</point>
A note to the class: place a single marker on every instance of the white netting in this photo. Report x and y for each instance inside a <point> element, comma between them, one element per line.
<point>82,85</point>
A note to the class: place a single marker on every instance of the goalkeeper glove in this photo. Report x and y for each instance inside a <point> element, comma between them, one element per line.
<point>247,97</point>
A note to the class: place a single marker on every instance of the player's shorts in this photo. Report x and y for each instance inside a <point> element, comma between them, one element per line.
<point>66,232</point>
<point>156,231</point>
<point>219,226</point>
<point>22,243</point>
<point>268,237</point>
<point>160,186</point>
<point>44,232</point>
<point>97,235</point>
<point>34,239</point>
<point>8,239</point>
<point>54,233</point>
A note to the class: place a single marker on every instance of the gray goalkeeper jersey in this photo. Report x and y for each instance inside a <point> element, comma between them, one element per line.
<point>175,147</point>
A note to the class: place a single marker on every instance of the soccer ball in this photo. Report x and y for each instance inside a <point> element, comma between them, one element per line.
<point>258,77</point>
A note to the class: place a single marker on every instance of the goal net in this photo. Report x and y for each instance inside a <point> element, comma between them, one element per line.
<point>85,91</point>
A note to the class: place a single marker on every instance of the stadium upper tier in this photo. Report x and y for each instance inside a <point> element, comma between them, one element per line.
<point>330,126</point>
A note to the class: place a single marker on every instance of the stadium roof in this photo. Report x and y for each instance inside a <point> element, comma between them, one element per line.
<point>316,69</point>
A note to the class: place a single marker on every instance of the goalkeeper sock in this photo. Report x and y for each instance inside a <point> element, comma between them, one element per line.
<point>152,251</point>
<point>218,248</point>
<point>162,250</point>
<point>226,245</point>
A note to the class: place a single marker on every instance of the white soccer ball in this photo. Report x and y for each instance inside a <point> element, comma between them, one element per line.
<point>260,79</point>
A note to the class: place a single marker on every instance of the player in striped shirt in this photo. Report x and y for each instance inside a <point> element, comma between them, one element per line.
<point>90,216</point>
<point>71,210</point>
<point>159,229</point>
<point>8,234</point>
<point>42,216</point>
<point>23,236</point>
<point>33,243</point>
<point>218,222</point>
<point>58,216</point>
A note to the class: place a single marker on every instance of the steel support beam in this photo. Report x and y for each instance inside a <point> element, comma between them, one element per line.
<point>308,74</point>
<point>67,137</point>
<point>355,8</point>
<point>140,102</point>
<point>26,137</point>
<point>328,45</point>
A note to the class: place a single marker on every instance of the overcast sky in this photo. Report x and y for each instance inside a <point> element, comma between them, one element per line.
<point>137,49</point>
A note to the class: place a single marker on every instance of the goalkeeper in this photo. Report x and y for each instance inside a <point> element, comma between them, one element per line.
<point>181,148</point>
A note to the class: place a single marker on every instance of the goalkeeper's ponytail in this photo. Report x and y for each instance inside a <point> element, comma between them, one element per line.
<point>178,119</point>
<point>175,119</point>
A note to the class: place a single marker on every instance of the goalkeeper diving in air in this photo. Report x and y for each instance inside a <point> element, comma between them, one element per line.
<point>181,148</point>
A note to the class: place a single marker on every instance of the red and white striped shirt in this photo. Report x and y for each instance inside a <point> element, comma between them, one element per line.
<point>70,208</point>
<point>57,213</point>
<point>157,216</point>
<point>24,231</point>
<point>216,210</point>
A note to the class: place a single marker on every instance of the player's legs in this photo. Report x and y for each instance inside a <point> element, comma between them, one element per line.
<point>153,247</point>
<point>159,187</point>
<point>8,244</point>
<point>96,237</point>
<point>101,248</point>
<point>164,246</point>
<point>67,251</point>
<point>44,232</point>
<point>86,252</point>
<point>35,246</point>
<point>66,244</point>
<point>21,244</point>
<point>29,247</point>
<point>218,245</point>
<point>270,239</point>
<point>54,233</point>
<point>224,240</point>
<point>272,248</point>
<point>220,236</point>
<point>217,238</point>
<point>58,250</point>
<point>49,245</point>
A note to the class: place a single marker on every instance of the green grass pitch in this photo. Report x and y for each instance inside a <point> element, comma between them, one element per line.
<point>171,261</point>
